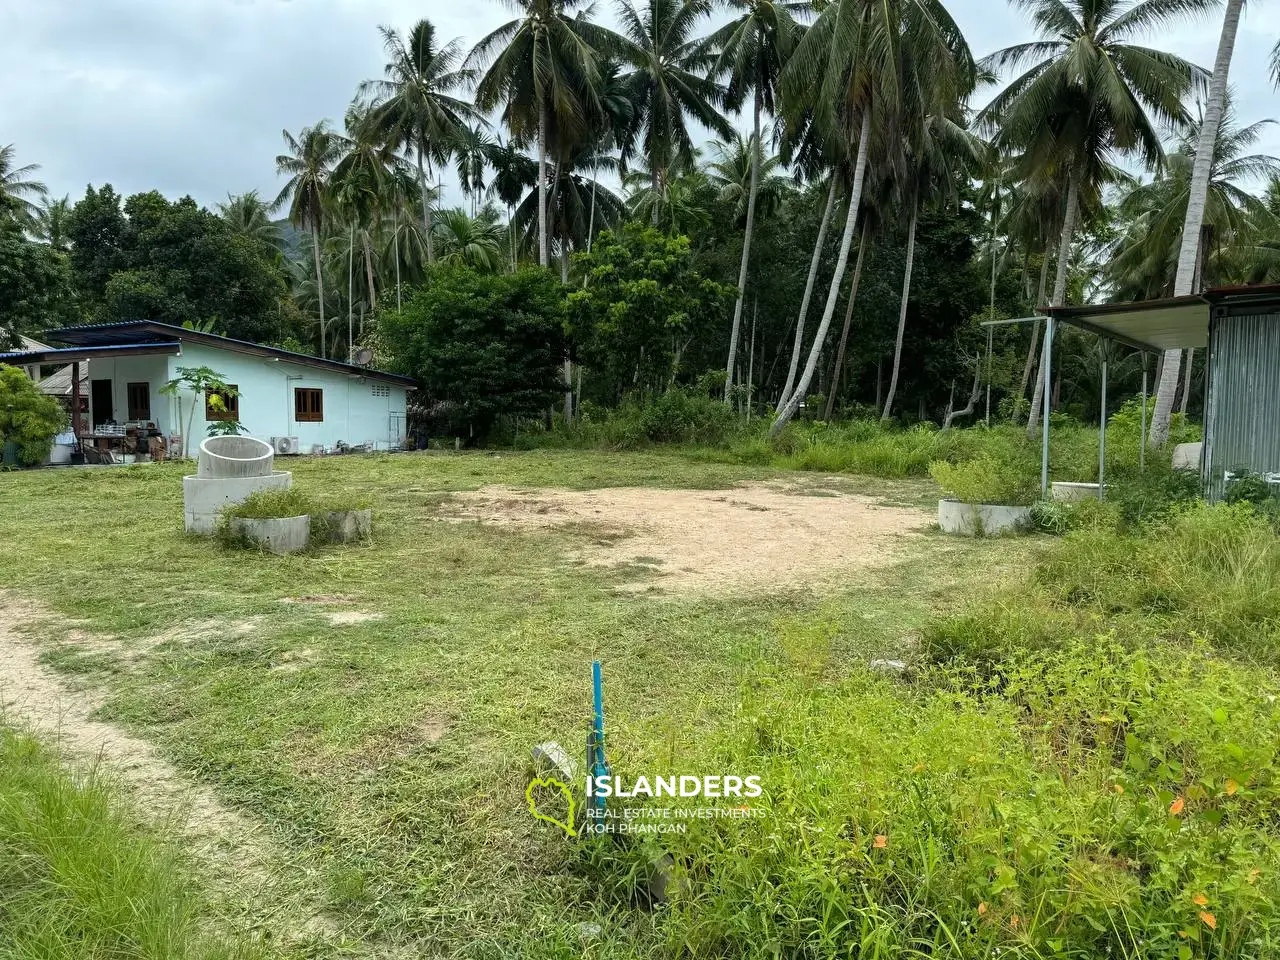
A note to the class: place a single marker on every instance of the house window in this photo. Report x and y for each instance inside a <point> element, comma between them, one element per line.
<point>139,401</point>
<point>381,390</point>
<point>228,409</point>
<point>308,404</point>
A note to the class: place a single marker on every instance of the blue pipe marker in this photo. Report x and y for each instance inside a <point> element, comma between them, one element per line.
<point>599,766</point>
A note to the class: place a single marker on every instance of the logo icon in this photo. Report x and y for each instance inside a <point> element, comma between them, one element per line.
<point>551,783</point>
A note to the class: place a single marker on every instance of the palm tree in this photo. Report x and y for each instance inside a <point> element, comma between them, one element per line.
<point>753,47</point>
<point>249,216</point>
<point>472,153</point>
<point>668,85</point>
<point>849,69</point>
<point>1188,257</point>
<point>1144,261</point>
<point>543,70</point>
<point>1088,93</point>
<point>362,183</point>
<point>309,164</point>
<point>475,242</point>
<point>513,175</point>
<point>732,168</point>
<point>414,106</point>
<point>942,153</point>
<point>17,191</point>
<point>685,199</point>
<point>51,222</point>
<point>803,144</point>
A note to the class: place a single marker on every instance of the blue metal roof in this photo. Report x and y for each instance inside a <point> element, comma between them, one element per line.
<point>133,332</point>
<point>25,358</point>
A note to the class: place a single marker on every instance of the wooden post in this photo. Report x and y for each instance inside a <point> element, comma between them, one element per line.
<point>75,400</point>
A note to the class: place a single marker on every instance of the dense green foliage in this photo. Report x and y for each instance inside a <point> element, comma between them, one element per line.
<point>28,418</point>
<point>150,258</point>
<point>35,286</point>
<point>642,301</point>
<point>482,346</point>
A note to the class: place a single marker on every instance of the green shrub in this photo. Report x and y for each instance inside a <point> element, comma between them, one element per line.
<point>28,418</point>
<point>986,480</point>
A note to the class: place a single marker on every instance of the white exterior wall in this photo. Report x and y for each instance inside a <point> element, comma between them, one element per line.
<point>353,411</point>
<point>122,371</point>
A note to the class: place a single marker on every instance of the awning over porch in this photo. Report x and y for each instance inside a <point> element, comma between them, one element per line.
<point>1174,323</point>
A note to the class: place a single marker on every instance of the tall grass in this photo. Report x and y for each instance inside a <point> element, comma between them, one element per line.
<point>1083,766</point>
<point>78,880</point>
<point>692,419</point>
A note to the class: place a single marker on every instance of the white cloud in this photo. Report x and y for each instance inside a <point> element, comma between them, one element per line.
<point>190,96</point>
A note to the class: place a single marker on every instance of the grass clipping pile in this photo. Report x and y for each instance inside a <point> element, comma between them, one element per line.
<point>752,536</point>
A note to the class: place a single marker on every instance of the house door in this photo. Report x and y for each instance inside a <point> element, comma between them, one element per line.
<point>103,410</point>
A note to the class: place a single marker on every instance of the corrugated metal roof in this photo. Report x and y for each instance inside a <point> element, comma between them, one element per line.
<point>1174,323</point>
<point>93,334</point>
<point>59,384</point>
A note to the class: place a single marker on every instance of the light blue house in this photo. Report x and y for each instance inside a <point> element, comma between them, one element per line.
<point>298,403</point>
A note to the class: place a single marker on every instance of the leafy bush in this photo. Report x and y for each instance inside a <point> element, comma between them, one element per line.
<point>28,418</point>
<point>986,480</point>
<point>481,346</point>
<point>688,416</point>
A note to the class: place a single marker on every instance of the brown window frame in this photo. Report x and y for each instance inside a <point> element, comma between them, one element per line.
<point>230,400</point>
<point>308,404</point>
<point>136,411</point>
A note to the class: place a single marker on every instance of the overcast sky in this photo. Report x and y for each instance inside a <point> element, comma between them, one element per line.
<point>190,96</point>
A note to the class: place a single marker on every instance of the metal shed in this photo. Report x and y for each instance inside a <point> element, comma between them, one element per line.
<point>1240,329</point>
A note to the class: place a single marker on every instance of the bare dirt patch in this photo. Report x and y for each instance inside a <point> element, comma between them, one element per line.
<point>34,697</point>
<point>348,618</point>
<point>748,537</point>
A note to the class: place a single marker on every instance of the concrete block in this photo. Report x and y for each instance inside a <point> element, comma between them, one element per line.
<point>552,758</point>
<point>344,526</point>
<point>1186,456</point>
<point>1075,492</point>
<point>889,666</point>
<point>987,519</point>
<point>281,535</point>
<point>203,498</point>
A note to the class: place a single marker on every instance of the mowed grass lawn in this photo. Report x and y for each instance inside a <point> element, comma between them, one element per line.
<point>388,755</point>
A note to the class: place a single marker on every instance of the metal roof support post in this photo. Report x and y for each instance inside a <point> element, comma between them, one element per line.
<point>1102,439</point>
<point>1142,448</point>
<point>1044,405</point>
<point>990,330</point>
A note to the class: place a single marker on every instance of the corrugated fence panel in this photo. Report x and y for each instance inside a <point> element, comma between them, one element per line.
<point>1242,415</point>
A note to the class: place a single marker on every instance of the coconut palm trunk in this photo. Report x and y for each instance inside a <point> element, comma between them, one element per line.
<point>833,295</point>
<point>368,271</point>
<point>837,373</point>
<point>1035,327</point>
<point>746,251</point>
<point>902,310</point>
<point>426,206</point>
<point>798,345</point>
<point>1059,286</point>
<point>544,247</point>
<point>1167,391</point>
<point>1186,382</point>
<point>315,252</point>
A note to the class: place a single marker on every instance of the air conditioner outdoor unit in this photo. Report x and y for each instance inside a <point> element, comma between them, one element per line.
<point>286,446</point>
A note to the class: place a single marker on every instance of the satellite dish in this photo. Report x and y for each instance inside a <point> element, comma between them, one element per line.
<point>364,357</point>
